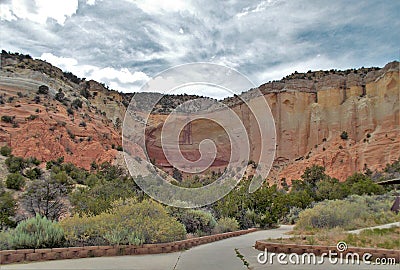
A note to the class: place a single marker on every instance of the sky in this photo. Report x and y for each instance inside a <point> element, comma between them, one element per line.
<point>124,43</point>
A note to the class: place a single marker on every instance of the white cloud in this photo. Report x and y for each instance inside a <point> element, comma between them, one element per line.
<point>160,6</point>
<point>260,7</point>
<point>174,46</point>
<point>61,62</point>
<point>319,62</point>
<point>6,13</point>
<point>118,79</point>
<point>123,75</point>
<point>265,40</point>
<point>39,10</point>
<point>91,2</point>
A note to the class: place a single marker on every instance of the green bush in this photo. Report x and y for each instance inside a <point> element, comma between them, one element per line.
<point>60,95</point>
<point>15,181</point>
<point>5,240</point>
<point>351,213</point>
<point>123,236</point>
<point>330,189</point>
<point>70,111</point>
<point>5,151</point>
<point>226,224</point>
<point>8,207</point>
<point>57,162</point>
<point>33,160</point>
<point>86,93</point>
<point>250,219</point>
<point>99,197</point>
<point>293,215</point>
<point>15,164</point>
<point>43,90</point>
<point>37,232</point>
<point>32,117</point>
<point>34,173</point>
<point>195,220</point>
<point>77,103</point>
<point>127,222</point>
<point>344,135</point>
<point>361,184</point>
<point>7,119</point>
<point>91,180</point>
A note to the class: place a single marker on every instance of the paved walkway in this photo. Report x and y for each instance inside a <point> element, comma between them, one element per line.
<point>385,226</point>
<point>211,256</point>
<point>216,255</point>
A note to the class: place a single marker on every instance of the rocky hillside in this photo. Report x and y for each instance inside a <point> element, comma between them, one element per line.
<point>345,120</point>
<point>47,113</point>
<point>73,117</point>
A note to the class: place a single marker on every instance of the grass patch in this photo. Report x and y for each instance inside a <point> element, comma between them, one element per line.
<point>241,257</point>
<point>375,238</point>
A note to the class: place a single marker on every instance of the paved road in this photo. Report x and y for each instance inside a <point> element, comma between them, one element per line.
<point>212,256</point>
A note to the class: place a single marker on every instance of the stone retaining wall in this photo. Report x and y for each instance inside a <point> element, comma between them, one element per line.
<point>31,255</point>
<point>318,250</point>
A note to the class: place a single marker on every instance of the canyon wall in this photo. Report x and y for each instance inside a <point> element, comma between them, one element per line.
<point>310,115</point>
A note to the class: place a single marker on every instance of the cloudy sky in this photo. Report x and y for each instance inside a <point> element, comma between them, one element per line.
<point>124,43</point>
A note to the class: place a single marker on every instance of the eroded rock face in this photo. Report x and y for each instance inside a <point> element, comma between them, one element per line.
<point>309,126</point>
<point>47,131</point>
<point>48,126</point>
<point>109,102</point>
<point>309,118</point>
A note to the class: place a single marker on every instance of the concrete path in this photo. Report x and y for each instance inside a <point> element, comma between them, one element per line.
<point>385,226</point>
<point>216,255</point>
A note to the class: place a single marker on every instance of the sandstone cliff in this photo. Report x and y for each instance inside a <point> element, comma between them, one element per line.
<point>309,123</point>
<point>311,111</point>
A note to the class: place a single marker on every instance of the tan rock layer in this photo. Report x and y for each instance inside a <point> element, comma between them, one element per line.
<point>309,118</point>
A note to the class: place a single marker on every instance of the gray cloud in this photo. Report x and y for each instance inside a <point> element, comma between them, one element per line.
<point>264,40</point>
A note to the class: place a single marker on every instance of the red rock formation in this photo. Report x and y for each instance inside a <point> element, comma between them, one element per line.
<point>52,133</point>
